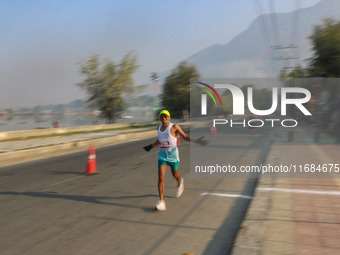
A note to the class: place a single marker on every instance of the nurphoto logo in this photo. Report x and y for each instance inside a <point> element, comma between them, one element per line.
<point>239,104</point>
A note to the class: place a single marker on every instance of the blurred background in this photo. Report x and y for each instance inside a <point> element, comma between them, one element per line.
<point>74,63</point>
<point>52,51</point>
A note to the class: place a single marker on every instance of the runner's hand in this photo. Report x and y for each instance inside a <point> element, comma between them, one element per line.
<point>201,141</point>
<point>148,148</point>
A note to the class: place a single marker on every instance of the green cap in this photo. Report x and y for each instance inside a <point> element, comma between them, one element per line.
<point>164,112</point>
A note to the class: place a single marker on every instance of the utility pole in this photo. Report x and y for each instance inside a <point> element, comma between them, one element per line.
<point>288,58</point>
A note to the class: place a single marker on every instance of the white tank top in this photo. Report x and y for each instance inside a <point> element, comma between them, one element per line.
<point>168,150</point>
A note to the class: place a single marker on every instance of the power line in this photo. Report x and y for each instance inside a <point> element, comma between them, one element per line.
<point>269,23</point>
<point>273,17</point>
<point>296,21</point>
<point>290,52</point>
<point>262,22</point>
<point>276,36</point>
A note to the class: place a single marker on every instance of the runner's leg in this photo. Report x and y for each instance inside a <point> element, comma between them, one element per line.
<point>180,182</point>
<point>176,175</point>
<point>161,178</point>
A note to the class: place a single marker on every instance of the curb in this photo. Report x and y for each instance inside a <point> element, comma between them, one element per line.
<point>53,150</point>
<point>252,235</point>
<point>53,131</point>
<point>227,237</point>
<point>19,156</point>
<point>250,238</point>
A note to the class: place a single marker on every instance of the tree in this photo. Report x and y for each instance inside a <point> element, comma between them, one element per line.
<point>326,46</point>
<point>325,61</point>
<point>176,89</point>
<point>106,83</point>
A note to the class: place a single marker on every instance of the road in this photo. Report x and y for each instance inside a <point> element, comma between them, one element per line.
<point>49,207</point>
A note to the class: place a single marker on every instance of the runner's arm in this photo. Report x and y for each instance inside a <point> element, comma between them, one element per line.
<point>150,146</point>
<point>200,140</point>
<point>179,130</point>
<point>155,143</point>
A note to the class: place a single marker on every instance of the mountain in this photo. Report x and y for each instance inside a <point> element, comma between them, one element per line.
<point>250,53</point>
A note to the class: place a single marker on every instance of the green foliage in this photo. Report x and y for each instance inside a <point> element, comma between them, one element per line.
<point>325,40</point>
<point>106,82</point>
<point>297,73</point>
<point>326,46</point>
<point>176,90</point>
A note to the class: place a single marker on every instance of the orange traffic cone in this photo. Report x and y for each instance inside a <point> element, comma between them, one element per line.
<point>91,162</point>
<point>213,130</point>
<point>178,141</point>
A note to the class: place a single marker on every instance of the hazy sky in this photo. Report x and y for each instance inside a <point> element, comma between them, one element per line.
<point>42,40</point>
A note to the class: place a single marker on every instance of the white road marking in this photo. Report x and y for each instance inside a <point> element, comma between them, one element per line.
<point>66,180</point>
<point>146,156</point>
<point>302,191</point>
<point>225,195</point>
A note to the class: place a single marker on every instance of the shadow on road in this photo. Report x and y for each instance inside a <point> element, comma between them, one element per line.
<point>80,198</point>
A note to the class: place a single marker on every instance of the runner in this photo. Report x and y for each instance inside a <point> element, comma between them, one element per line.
<point>168,154</point>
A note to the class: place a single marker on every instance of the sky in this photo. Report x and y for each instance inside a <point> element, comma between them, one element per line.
<point>43,40</point>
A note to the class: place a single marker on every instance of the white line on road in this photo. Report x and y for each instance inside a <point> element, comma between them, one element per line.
<point>149,154</point>
<point>67,180</point>
<point>145,156</point>
<point>225,195</point>
<point>302,191</point>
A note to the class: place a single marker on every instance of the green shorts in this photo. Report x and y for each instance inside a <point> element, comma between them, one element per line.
<point>173,165</point>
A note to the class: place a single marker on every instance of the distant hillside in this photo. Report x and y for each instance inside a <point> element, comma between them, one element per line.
<point>250,55</point>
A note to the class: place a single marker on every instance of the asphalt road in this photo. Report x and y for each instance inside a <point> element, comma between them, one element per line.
<point>49,207</point>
